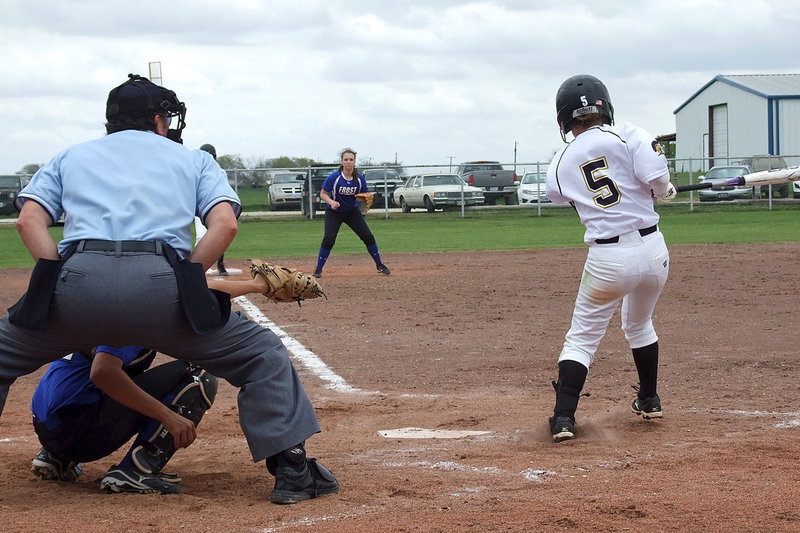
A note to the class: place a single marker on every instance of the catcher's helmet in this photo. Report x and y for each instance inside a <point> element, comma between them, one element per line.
<point>210,149</point>
<point>139,97</point>
<point>582,95</point>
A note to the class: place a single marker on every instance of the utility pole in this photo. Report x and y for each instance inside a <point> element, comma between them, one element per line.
<point>515,157</point>
<point>451,163</point>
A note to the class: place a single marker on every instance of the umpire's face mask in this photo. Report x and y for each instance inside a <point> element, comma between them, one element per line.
<point>175,133</point>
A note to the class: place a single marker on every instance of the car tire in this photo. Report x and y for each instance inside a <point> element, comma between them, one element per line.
<point>270,205</point>
<point>429,205</point>
<point>404,206</point>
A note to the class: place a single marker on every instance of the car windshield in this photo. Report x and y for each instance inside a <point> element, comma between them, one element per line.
<point>377,174</point>
<point>442,179</point>
<point>726,172</point>
<point>534,178</point>
<point>9,181</point>
<point>286,178</point>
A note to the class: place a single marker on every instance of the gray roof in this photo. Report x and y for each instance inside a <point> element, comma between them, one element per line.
<point>771,86</point>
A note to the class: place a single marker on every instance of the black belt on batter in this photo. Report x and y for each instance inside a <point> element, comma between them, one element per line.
<point>614,240</point>
<point>151,247</point>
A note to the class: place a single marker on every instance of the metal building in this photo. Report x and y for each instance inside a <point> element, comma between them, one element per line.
<point>735,116</point>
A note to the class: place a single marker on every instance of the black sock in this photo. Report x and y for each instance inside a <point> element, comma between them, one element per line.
<point>571,377</point>
<point>646,359</point>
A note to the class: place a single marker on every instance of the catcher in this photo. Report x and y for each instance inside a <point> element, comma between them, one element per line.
<point>344,190</point>
<point>89,404</point>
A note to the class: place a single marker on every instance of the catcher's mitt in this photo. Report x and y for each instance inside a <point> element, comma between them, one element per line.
<point>364,201</point>
<point>285,284</point>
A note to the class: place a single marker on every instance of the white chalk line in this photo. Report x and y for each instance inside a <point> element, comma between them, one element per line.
<point>793,416</point>
<point>308,358</point>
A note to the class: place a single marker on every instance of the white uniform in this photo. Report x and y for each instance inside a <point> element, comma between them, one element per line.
<point>607,173</point>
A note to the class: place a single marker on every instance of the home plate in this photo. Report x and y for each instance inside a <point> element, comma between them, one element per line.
<point>230,271</point>
<point>422,433</point>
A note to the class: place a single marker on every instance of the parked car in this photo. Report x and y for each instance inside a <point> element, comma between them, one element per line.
<point>436,191</point>
<point>382,181</point>
<point>286,190</point>
<point>796,189</point>
<point>739,192</point>
<point>9,189</point>
<point>768,162</point>
<point>316,176</point>
<point>532,188</point>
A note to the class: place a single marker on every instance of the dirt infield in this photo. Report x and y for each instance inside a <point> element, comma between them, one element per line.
<point>445,344</point>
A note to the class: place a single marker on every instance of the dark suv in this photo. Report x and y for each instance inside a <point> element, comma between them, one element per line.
<point>9,189</point>
<point>315,176</point>
<point>382,181</point>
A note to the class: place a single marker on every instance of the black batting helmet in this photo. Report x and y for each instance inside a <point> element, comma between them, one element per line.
<point>210,149</point>
<point>582,95</point>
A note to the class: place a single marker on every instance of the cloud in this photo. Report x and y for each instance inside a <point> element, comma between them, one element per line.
<point>425,80</point>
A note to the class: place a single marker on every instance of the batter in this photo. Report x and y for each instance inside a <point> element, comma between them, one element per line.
<point>611,176</point>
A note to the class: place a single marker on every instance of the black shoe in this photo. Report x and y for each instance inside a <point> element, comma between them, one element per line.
<point>318,273</point>
<point>48,467</point>
<point>647,407</point>
<point>312,481</point>
<point>383,269</point>
<point>221,270</point>
<point>130,479</point>
<point>562,428</point>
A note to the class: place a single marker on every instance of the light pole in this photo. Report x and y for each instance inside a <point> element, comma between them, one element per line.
<point>450,170</point>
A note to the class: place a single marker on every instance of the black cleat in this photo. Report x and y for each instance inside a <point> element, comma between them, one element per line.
<point>313,481</point>
<point>562,428</point>
<point>130,479</point>
<point>48,467</point>
<point>383,269</point>
<point>648,408</point>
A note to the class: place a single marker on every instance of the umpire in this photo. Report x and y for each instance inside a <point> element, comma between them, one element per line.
<point>125,274</point>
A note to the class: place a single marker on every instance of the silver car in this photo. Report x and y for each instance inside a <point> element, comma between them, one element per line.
<point>286,190</point>
<point>738,192</point>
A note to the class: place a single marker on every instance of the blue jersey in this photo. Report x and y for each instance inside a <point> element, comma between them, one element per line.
<point>114,187</point>
<point>343,190</point>
<point>67,382</point>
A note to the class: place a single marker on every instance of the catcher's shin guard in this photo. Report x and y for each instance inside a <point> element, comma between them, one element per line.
<point>193,397</point>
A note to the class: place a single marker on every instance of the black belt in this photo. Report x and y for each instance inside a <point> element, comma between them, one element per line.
<point>151,247</point>
<point>614,240</point>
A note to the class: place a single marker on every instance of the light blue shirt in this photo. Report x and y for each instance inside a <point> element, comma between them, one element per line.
<point>130,185</point>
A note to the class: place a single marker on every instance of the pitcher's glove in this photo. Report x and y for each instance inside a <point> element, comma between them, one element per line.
<point>364,201</point>
<point>285,284</point>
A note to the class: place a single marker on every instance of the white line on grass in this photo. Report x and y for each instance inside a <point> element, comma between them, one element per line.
<point>316,365</point>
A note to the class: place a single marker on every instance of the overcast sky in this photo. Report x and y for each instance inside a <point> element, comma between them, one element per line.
<point>419,81</point>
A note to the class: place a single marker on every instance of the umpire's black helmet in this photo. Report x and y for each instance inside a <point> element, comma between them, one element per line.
<point>139,97</point>
<point>582,95</point>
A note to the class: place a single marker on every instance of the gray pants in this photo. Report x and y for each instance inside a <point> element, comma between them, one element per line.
<point>132,299</point>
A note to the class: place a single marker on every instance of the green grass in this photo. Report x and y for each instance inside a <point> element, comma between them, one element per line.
<point>501,229</point>
<point>254,199</point>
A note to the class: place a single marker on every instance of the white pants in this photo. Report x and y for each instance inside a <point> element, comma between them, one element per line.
<point>199,230</point>
<point>633,270</point>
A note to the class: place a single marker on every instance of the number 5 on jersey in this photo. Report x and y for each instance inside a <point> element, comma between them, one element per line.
<point>606,191</point>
